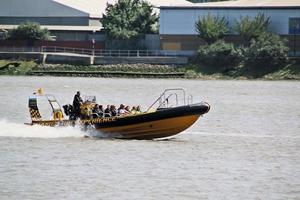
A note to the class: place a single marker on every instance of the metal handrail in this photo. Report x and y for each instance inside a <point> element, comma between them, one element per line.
<point>94,51</point>
<point>167,100</point>
<point>162,97</point>
<point>190,99</point>
<point>111,52</point>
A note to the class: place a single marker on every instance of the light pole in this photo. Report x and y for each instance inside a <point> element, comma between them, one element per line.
<point>93,42</point>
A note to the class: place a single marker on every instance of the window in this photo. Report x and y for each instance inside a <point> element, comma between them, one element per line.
<point>294,26</point>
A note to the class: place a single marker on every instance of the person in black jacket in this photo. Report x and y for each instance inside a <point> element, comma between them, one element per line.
<point>77,101</point>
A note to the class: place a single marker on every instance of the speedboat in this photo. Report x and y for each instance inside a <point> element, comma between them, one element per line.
<point>171,113</point>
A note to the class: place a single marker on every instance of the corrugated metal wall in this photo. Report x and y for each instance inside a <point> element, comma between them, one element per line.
<point>182,21</point>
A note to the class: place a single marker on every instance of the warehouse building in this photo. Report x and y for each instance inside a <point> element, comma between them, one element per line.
<point>74,21</point>
<point>177,23</point>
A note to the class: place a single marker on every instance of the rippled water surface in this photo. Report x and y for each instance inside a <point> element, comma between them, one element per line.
<point>246,147</point>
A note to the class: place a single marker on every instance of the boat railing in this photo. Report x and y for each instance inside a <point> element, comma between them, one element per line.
<point>166,102</point>
<point>163,100</point>
<point>190,99</point>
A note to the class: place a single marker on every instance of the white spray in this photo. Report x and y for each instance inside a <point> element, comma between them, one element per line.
<point>10,129</point>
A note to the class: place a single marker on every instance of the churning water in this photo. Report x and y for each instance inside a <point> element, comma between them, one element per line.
<point>246,147</point>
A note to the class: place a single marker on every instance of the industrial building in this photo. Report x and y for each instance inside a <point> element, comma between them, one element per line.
<point>76,23</point>
<point>177,23</point>
<point>72,22</point>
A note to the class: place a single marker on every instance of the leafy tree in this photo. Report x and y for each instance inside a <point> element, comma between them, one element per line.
<point>251,29</point>
<point>266,54</point>
<point>211,28</point>
<point>30,31</point>
<point>128,19</point>
<point>220,55</point>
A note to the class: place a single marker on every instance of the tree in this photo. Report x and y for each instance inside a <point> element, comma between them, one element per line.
<point>30,31</point>
<point>266,54</point>
<point>128,19</point>
<point>251,29</point>
<point>211,28</point>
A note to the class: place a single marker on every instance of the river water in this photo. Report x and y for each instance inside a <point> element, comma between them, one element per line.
<point>246,147</point>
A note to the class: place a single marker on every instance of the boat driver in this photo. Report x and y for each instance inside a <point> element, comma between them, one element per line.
<point>76,103</point>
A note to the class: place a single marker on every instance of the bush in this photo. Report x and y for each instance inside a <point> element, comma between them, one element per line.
<point>251,29</point>
<point>211,28</point>
<point>28,31</point>
<point>220,55</point>
<point>266,54</point>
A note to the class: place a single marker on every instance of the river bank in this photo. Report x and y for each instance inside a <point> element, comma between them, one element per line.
<point>189,71</point>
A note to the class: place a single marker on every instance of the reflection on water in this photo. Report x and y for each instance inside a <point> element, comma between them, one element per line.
<point>246,147</point>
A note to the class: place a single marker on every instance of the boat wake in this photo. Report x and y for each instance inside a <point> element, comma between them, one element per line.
<point>11,129</point>
<point>245,135</point>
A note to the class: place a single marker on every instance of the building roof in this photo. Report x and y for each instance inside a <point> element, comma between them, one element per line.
<point>94,8</point>
<point>58,28</point>
<point>243,4</point>
<point>97,7</point>
<point>67,8</point>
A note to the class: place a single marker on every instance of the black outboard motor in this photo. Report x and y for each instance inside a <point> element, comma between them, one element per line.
<point>66,109</point>
<point>69,111</point>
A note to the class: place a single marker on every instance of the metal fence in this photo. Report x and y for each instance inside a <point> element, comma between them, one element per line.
<point>116,53</point>
<point>98,52</point>
<point>21,49</point>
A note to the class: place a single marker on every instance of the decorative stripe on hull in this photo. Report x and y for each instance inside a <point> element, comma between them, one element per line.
<point>154,129</point>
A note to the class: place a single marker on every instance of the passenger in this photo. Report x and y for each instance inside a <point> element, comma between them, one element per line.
<point>77,101</point>
<point>96,108</point>
<point>127,109</point>
<point>113,110</point>
<point>121,110</point>
<point>138,109</point>
<point>107,111</point>
<point>101,111</point>
<point>133,110</point>
<point>96,111</point>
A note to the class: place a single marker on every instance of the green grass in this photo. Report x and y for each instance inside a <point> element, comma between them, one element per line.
<point>192,71</point>
<point>289,72</point>
<point>10,67</point>
<point>143,68</point>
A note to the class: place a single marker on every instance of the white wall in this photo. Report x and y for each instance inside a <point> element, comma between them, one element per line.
<point>182,21</point>
<point>37,8</point>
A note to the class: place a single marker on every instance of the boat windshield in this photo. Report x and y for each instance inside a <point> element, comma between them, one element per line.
<point>90,98</point>
<point>53,102</point>
<point>55,105</point>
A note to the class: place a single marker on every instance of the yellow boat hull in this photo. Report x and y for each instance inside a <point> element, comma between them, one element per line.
<point>154,129</point>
